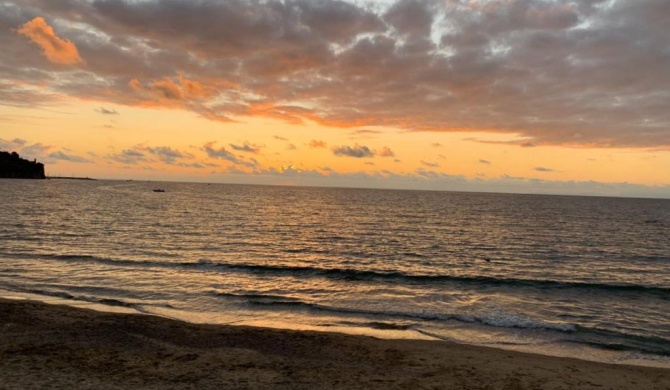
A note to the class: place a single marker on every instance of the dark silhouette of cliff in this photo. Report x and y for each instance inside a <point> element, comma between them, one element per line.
<point>15,167</point>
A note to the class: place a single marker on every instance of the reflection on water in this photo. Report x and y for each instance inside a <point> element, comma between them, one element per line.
<point>515,270</point>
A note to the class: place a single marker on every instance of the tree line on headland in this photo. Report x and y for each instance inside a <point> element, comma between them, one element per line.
<point>14,167</point>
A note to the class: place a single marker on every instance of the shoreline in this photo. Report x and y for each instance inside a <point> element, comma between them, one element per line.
<point>381,330</point>
<point>68,347</point>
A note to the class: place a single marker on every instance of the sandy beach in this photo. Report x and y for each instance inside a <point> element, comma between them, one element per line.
<point>49,346</point>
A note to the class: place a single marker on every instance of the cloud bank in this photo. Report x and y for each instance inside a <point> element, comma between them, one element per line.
<point>582,73</point>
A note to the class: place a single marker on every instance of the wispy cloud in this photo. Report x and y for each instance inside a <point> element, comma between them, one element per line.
<point>106,111</point>
<point>385,152</point>
<point>61,155</point>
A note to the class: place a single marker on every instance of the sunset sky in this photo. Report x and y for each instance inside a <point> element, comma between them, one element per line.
<point>540,96</point>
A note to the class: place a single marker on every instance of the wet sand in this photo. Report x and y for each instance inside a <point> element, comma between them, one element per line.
<point>57,347</point>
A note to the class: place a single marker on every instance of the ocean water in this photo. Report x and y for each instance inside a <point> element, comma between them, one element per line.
<point>569,276</point>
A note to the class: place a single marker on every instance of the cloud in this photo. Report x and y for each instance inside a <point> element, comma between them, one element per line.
<point>220,153</point>
<point>106,111</point>
<point>56,49</point>
<point>485,162</point>
<point>560,72</point>
<point>60,155</point>
<point>317,144</point>
<point>129,156</point>
<point>385,152</point>
<point>366,132</point>
<point>223,154</point>
<point>155,154</point>
<point>353,151</point>
<point>27,150</point>
<point>171,92</point>
<point>430,164</point>
<point>247,148</point>
<point>166,154</point>
<point>279,138</point>
<point>544,169</point>
<point>13,145</point>
<point>425,179</point>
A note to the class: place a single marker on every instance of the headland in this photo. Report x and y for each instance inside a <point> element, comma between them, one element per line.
<point>12,166</point>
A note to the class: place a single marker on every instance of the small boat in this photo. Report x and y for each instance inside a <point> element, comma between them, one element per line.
<point>159,190</point>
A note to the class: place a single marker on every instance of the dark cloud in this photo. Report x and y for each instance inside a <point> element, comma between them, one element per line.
<point>247,148</point>
<point>220,153</point>
<point>129,156</point>
<point>166,154</point>
<point>430,164</point>
<point>411,17</point>
<point>356,151</point>
<point>560,72</point>
<point>223,154</point>
<point>106,111</point>
<point>155,154</point>
<point>544,169</point>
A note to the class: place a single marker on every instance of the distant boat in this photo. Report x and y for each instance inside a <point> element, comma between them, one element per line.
<point>158,190</point>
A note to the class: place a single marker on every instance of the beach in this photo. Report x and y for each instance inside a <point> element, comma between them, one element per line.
<point>52,346</point>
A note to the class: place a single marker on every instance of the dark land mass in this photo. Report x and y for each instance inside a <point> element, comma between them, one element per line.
<point>57,347</point>
<point>12,166</point>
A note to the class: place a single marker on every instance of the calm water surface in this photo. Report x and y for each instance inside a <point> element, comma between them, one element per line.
<point>569,276</point>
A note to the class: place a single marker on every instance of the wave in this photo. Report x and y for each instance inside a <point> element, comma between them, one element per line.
<point>497,318</point>
<point>374,275</point>
<point>620,341</point>
<point>83,298</point>
<point>138,306</point>
<point>349,274</point>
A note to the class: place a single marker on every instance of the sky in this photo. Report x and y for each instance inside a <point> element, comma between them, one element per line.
<point>529,96</point>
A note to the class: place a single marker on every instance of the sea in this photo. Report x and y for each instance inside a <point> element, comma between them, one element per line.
<point>584,277</point>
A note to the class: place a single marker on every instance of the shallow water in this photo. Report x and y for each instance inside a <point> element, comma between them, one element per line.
<point>571,276</point>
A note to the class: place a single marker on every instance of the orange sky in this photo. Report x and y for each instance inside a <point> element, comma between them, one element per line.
<point>518,95</point>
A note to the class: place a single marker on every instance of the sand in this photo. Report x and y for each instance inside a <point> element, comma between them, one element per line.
<point>58,347</point>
